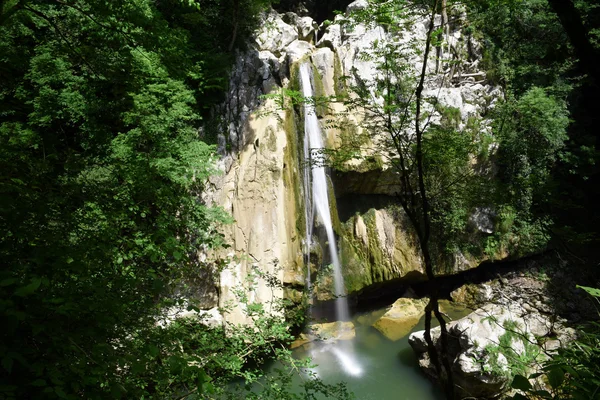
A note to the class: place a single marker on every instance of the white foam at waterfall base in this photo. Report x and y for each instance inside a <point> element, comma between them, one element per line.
<point>348,363</point>
<point>313,146</point>
<point>341,351</point>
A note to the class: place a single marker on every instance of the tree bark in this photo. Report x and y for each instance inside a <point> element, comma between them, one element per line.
<point>570,19</point>
<point>445,373</point>
<point>236,22</point>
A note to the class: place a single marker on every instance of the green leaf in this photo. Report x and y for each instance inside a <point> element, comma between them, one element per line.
<point>60,393</point>
<point>521,383</point>
<point>7,364</point>
<point>153,350</point>
<point>555,377</point>
<point>28,289</point>
<point>177,255</point>
<point>8,282</point>
<point>592,291</point>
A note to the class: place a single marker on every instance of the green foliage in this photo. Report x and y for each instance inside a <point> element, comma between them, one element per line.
<point>517,362</point>
<point>531,132</point>
<point>101,171</point>
<point>526,48</point>
<point>510,59</point>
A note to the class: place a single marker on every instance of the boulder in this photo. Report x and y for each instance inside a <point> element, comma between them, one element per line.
<point>298,50</point>
<point>332,37</point>
<point>472,295</point>
<point>324,60</point>
<point>302,340</point>
<point>357,5</point>
<point>401,318</point>
<point>486,345</point>
<point>275,34</point>
<point>212,317</point>
<point>333,331</point>
<point>306,28</point>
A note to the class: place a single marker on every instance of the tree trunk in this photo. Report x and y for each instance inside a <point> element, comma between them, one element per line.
<point>570,19</point>
<point>236,22</point>
<point>443,369</point>
<point>444,35</point>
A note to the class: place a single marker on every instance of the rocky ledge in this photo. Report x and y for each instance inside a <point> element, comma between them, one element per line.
<point>514,327</point>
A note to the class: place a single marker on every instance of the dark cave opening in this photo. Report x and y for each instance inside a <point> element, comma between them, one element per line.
<point>318,10</point>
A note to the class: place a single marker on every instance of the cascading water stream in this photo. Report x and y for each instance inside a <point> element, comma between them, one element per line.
<point>313,143</point>
<point>317,198</point>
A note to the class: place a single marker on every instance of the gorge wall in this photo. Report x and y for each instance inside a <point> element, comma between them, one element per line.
<point>262,159</point>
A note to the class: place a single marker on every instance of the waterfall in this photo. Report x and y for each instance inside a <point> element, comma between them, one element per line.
<point>317,199</point>
<point>313,147</point>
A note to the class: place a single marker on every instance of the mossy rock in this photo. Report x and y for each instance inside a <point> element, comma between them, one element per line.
<point>401,318</point>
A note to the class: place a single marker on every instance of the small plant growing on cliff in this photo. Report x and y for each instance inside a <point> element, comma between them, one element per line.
<point>505,360</point>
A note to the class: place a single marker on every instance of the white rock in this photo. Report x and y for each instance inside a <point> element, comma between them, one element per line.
<point>476,334</point>
<point>275,34</point>
<point>212,317</point>
<point>298,50</point>
<point>357,5</point>
<point>306,28</point>
<point>360,230</point>
<point>352,53</point>
<point>324,60</point>
<point>332,37</point>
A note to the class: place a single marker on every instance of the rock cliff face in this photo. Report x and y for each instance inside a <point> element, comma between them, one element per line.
<point>260,144</point>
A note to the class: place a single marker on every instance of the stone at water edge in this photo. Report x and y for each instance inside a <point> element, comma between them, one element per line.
<point>474,335</point>
<point>401,318</point>
<point>371,318</point>
<point>301,340</point>
<point>333,331</point>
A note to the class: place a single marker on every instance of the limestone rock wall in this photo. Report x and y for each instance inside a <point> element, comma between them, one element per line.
<point>261,160</point>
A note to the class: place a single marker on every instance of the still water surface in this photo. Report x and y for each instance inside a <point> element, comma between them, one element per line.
<point>389,369</point>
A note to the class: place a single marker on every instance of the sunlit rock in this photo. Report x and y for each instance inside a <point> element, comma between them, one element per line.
<point>485,345</point>
<point>401,318</point>
<point>275,34</point>
<point>332,37</point>
<point>306,28</point>
<point>324,60</point>
<point>332,331</point>
<point>357,5</point>
<point>297,50</point>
